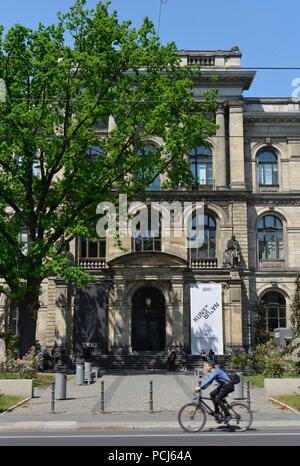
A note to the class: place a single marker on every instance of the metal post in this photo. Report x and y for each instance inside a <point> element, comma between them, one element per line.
<point>87,371</point>
<point>248,394</point>
<point>52,398</point>
<point>102,398</point>
<point>60,386</point>
<point>79,374</point>
<point>151,397</point>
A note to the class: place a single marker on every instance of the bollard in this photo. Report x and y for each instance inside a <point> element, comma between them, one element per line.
<point>238,393</point>
<point>60,386</point>
<point>79,374</point>
<point>52,398</point>
<point>248,395</point>
<point>151,397</point>
<point>87,371</point>
<point>102,398</point>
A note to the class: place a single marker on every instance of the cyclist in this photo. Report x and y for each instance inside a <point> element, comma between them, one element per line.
<point>225,387</point>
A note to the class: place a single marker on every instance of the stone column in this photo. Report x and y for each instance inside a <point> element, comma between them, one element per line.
<point>177,313</point>
<point>118,328</point>
<point>220,152</point>
<point>233,323</point>
<point>236,146</point>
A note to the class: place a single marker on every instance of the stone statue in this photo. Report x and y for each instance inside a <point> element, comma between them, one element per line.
<point>232,255</point>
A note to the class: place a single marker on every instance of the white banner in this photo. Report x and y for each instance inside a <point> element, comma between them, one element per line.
<point>206,318</point>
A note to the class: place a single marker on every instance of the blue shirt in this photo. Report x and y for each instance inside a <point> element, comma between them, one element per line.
<point>218,375</point>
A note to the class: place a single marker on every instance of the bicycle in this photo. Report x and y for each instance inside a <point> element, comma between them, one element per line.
<point>192,416</point>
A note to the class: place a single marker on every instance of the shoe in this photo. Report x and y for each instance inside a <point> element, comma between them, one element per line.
<point>227,418</point>
<point>219,418</point>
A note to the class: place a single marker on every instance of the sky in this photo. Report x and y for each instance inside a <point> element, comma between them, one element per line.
<point>266,31</point>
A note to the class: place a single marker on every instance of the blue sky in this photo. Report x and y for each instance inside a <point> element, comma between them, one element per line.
<point>266,31</point>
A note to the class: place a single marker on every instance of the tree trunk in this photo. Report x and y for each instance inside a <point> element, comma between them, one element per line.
<point>28,309</point>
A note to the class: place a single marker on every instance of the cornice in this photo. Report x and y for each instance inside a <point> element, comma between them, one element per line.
<point>284,117</point>
<point>223,197</point>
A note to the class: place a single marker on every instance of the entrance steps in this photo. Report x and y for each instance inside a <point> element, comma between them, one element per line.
<point>144,362</point>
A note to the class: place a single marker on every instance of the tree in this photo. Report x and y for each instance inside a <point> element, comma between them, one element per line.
<point>55,95</point>
<point>295,309</point>
<point>262,335</point>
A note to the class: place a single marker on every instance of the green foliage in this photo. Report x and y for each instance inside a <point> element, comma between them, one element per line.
<point>56,95</point>
<point>13,345</point>
<point>265,359</point>
<point>25,367</point>
<point>260,325</point>
<point>238,361</point>
<point>271,361</point>
<point>295,310</point>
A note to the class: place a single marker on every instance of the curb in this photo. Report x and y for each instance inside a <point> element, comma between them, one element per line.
<point>51,426</point>
<point>283,404</point>
<point>15,406</point>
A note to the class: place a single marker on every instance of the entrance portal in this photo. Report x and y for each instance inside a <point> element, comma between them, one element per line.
<point>148,320</point>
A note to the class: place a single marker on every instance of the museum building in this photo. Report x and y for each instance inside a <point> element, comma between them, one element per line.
<point>163,292</point>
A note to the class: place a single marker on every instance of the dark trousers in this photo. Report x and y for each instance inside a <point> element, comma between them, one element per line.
<point>219,394</point>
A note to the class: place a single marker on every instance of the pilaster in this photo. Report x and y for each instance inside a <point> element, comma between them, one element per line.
<point>236,146</point>
<point>220,149</point>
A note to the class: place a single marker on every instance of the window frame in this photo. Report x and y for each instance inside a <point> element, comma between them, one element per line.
<point>202,156</point>
<point>155,241</point>
<point>265,252</point>
<point>208,239</point>
<point>273,165</point>
<point>98,244</point>
<point>277,307</point>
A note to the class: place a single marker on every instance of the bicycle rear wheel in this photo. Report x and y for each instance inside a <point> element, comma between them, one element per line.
<point>241,416</point>
<point>191,417</point>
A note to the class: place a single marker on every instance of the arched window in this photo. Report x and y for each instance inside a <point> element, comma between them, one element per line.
<point>155,184</point>
<point>208,248</point>
<point>150,239</point>
<point>201,166</point>
<point>267,168</point>
<point>275,310</point>
<point>270,238</point>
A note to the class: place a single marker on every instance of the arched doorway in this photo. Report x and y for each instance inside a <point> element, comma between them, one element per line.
<point>275,310</point>
<point>148,320</point>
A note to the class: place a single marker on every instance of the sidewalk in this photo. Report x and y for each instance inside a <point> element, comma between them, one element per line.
<point>126,405</point>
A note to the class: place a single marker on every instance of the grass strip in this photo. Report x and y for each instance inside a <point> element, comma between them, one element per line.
<point>7,401</point>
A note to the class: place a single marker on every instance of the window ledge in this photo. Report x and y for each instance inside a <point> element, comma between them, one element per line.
<point>269,187</point>
<point>202,187</point>
<point>272,264</point>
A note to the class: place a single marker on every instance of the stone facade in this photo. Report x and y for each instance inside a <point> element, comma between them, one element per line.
<point>245,188</point>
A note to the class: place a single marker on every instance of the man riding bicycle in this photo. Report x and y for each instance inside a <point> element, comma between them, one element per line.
<point>225,387</point>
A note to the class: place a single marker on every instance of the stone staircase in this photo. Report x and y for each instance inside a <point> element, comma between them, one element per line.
<point>146,361</point>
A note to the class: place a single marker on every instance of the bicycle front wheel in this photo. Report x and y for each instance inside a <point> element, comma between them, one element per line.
<point>191,417</point>
<point>241,416</point>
